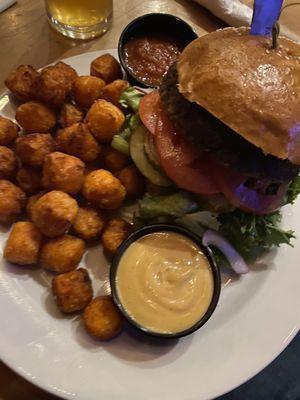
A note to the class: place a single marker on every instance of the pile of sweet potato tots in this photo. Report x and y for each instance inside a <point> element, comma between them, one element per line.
<point>61,181</point>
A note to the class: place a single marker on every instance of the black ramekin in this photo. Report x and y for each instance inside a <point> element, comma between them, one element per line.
<point>163,228</point>
<point>158,23</point>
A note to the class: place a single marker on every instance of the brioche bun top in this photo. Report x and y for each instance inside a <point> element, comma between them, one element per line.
<point>250,87</point>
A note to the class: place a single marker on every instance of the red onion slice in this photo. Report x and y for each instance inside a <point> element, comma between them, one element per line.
<point>236,261</point>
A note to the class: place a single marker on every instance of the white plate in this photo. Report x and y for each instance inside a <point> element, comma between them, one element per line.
<point>255,320</point>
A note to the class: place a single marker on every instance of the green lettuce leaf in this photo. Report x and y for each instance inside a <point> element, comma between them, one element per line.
<point>120,141</point>
<point>293,191</point>
<point>199,222</point>
<point>215,203</point>
<point>120,144</point>
<point>131,98</point>
<point>174,206</point>
<point>253,235</point>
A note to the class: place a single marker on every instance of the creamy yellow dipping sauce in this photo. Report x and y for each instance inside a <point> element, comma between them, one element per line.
<point>165,282</point>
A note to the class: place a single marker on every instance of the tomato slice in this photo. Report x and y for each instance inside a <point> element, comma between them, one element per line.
<point>180,160</point>
<point>232,184</point>
<point>198,172</point>
<point>148,108</point>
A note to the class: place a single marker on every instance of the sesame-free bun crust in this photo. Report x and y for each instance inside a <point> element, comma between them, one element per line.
<point>251,88</point>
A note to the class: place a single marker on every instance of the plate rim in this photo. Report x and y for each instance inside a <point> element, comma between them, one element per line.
<point>40,383</point>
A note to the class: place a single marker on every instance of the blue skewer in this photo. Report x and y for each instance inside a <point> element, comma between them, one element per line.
<point>266,13</point>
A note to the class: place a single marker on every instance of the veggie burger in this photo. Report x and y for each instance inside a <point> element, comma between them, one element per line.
<point>222,134</point>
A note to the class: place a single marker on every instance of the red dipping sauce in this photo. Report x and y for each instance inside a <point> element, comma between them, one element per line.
<point>149,57</point>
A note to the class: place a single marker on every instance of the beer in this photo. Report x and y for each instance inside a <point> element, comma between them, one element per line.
<point>81,19</point>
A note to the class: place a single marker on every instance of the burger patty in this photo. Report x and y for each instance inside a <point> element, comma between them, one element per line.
<point>210,134</point>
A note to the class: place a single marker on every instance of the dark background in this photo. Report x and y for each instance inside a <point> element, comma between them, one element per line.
<point>279,381</point>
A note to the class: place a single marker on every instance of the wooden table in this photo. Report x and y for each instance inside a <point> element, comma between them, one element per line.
<point>26,38</point>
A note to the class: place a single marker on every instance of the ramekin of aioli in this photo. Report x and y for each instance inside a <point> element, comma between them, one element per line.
<point>164,281</point>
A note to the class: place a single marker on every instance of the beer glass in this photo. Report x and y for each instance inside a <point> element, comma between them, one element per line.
<point>80,19</point>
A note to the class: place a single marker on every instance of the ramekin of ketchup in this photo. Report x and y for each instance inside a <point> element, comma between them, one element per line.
<point>150,44</point>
